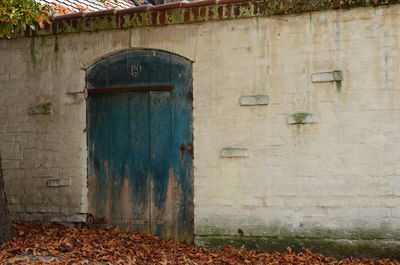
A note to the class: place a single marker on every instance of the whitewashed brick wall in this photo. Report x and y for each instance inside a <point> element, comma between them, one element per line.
<point>335,177</point>
<point>339,175</point>
<point>38,147</point>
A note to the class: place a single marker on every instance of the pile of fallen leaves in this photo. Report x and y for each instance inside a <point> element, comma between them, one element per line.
<point>57,244</point>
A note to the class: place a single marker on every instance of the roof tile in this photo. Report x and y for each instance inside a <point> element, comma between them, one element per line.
<point>62,7</point>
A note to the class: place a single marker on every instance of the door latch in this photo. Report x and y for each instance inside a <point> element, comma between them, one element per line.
<point>190,150</point>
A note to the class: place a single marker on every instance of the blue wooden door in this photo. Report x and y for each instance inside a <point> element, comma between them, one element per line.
<point>140,143</point>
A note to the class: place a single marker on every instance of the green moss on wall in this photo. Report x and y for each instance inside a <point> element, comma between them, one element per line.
<point>45,108</point>
<point>148,18</point>
<point>300,117</point>
<point>32,45</point>
<point>372,248</point>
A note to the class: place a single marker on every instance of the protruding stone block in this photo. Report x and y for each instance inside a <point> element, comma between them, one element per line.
<point>231,152</point>
<point>301,118</point>
<point>334,76</point>
<point>76,97</point>
<point>63,182</point>
<point>45,108</point>
<point>254,100</point>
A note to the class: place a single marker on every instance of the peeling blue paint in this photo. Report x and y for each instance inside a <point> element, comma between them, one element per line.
<point>139,178</point>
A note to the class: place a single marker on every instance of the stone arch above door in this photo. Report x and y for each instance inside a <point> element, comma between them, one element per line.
<point>139,65</point>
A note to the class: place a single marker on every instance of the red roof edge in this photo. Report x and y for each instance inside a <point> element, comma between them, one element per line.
<point>187,12</point>
<point>72,15</point>
<point>173,5</point>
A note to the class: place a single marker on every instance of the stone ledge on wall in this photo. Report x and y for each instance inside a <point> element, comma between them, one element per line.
<point>254,100</point>
<point>59,182</point>
<point>45,108</point>
<point>301,118</point>
<point>232,152</point>
<point>334,76</point>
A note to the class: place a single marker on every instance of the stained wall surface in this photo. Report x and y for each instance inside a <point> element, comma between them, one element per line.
<point>333,176</point>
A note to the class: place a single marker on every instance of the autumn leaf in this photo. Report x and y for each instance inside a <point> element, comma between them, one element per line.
<point>57,244</point>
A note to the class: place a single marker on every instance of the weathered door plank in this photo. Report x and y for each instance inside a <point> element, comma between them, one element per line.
<point>181,119</point>
<point>138,161</point>
<point>141,143</point>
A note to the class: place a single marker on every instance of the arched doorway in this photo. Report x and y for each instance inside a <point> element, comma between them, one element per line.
<point>140,143</point>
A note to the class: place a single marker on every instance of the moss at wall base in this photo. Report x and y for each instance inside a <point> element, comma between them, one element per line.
<point>371,248</point>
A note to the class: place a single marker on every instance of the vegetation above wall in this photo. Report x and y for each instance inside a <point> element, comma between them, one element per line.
<point>22,14</point>
<point>185,12</point>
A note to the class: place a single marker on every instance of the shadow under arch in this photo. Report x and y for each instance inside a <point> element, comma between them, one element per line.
<point>97,67</point>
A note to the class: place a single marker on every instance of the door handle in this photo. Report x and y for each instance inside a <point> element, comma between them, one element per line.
<point>190,150</point>
<point>182,149</point>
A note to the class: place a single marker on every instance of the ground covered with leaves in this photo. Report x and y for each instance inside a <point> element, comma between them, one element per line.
<point>57,244</point>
